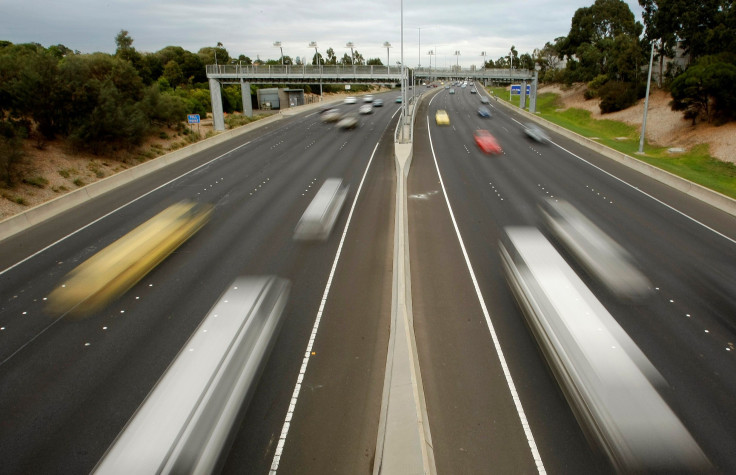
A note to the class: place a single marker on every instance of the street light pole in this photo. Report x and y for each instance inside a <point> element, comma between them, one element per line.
<point>319,63</point>
<point>278,45</point>
<point>388,57</point>
<point>511,66</point>
<point>420,48</point>
<point>350,45</point>
<point>483,54</point>
<point>430,53</point>
<point>646,102</point>
<point>403,71</point>
<point>457,60</point>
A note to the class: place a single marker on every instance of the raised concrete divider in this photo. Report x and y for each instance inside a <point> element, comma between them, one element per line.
<point>404,442</point>
<point>37,214</point>
<point>713,198</point>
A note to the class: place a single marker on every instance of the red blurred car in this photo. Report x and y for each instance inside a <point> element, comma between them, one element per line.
<point>487,142</point>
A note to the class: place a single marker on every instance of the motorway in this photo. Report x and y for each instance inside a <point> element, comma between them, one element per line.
<point>67,387</point>
<point>686,328</point>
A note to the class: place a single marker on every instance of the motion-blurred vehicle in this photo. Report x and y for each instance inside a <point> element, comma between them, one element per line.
<point>319,218</point>
<point>112,271</point>
<point>186,422</point>
<point>442,118</point>
<point>487,142</point>
<point>378,103</point>
<point>484,111</point>
<point>332,115</point>
<point>606,379</point>
<point>350,100</point>
<point>602,257</point>
<point>398,99</point>
<point>452,91</point>
<point>473,91</point>
<point>447,86</point>
<point>348,122</point>
<point>365,109</point>
<point>484,100</point>
<point>368,98</point>
<point>535,132</point>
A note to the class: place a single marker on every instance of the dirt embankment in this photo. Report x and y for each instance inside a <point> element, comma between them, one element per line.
<point>665,127</point>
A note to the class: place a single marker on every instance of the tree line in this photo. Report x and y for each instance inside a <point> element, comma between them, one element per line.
<point>100,101</point>
<point>609,50</point>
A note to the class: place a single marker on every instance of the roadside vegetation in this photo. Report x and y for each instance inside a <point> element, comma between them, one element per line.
<point>115,106</point>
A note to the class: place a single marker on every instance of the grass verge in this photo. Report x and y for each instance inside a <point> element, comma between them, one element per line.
<point>695,165</point>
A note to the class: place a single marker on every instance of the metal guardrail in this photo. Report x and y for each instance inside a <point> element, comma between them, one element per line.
<point>490,73</point>
<point>342,73</point>
<point>236,71</point>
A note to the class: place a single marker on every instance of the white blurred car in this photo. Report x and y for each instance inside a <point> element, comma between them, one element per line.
<point>368,98</point>
<point>350,100</point>
<point>332,115</point>
<point>536,133</point>
<point>366,109</point>
<point>348,122</point>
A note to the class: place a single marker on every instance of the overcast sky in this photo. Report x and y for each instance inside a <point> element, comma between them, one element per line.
<point>251,27</point>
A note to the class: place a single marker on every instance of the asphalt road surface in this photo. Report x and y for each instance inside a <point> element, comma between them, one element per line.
<point>67,387</point>
<point>686,328</point>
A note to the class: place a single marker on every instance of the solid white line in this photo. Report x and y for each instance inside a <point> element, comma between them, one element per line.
<point>496,343</point>
<point>634,187</point>
<point>308,352</point>
<point>119,208</point>
<point>645,193</point>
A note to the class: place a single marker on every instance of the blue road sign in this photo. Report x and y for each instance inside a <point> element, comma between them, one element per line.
<point>516,89</point>
<point>193,118</point>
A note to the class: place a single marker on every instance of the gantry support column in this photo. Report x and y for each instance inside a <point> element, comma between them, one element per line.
<point>522,97</point>
<point>216,98</point>
<point>533,98</point>
<point>247,102</point>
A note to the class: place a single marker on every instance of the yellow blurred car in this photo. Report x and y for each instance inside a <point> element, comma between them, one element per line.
<point>118,267</point>
<point>442,118</point>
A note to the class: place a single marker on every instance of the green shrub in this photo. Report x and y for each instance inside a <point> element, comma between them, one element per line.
<point>79,182</point>
<point>37,181</point>
<point>616,96</point>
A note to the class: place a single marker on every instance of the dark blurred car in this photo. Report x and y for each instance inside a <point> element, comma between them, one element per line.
<point>377,102</point>
<point>487,142</point>
<point>535,132</point>
<point>484,111</point>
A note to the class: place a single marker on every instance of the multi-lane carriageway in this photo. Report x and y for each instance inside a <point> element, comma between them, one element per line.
<point>67,387</point>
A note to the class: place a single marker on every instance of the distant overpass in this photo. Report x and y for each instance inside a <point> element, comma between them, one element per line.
<point>339,74</point>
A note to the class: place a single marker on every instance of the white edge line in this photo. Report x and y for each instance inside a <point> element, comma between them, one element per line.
<point>496,343</point>
<point>119,208</point>
<point>635,188</point>
<point>308,352</point>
